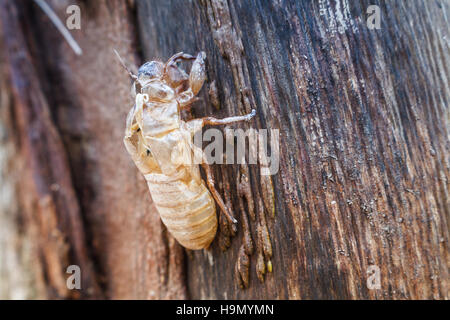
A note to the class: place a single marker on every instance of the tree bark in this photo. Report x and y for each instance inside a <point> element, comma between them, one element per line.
<point>363,178</point>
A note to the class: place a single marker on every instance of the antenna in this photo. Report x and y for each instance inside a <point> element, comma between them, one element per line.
<point>60,26</point>
<point>124,66</point>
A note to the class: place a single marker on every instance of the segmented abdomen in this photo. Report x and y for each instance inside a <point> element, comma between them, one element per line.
<point>186,207</point>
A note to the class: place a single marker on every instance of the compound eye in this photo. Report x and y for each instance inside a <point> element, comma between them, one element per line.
<point>158,91</point>
<point>150,70</point>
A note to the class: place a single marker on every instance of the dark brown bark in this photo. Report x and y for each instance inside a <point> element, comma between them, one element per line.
<point>363,123</point>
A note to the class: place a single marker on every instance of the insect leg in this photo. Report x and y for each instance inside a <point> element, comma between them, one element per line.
<point>197,77</point>
<point>196,124</point>
<point>185,99</point>
<point>217,122</point>
<point>178,56</point>
<point>197,74</point>
<point>216,195</point>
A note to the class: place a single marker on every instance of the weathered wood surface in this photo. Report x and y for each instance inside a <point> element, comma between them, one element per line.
<point>363,123</point>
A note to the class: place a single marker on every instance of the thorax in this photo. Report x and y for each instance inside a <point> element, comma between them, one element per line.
<point>159,118</point>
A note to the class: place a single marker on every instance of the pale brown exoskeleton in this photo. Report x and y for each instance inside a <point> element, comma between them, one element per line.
<point>161,145</point>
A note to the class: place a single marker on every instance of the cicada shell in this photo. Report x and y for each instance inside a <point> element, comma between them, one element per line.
<point>161,146</point>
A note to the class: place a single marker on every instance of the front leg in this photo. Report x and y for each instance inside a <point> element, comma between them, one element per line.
<point>197,77</point>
